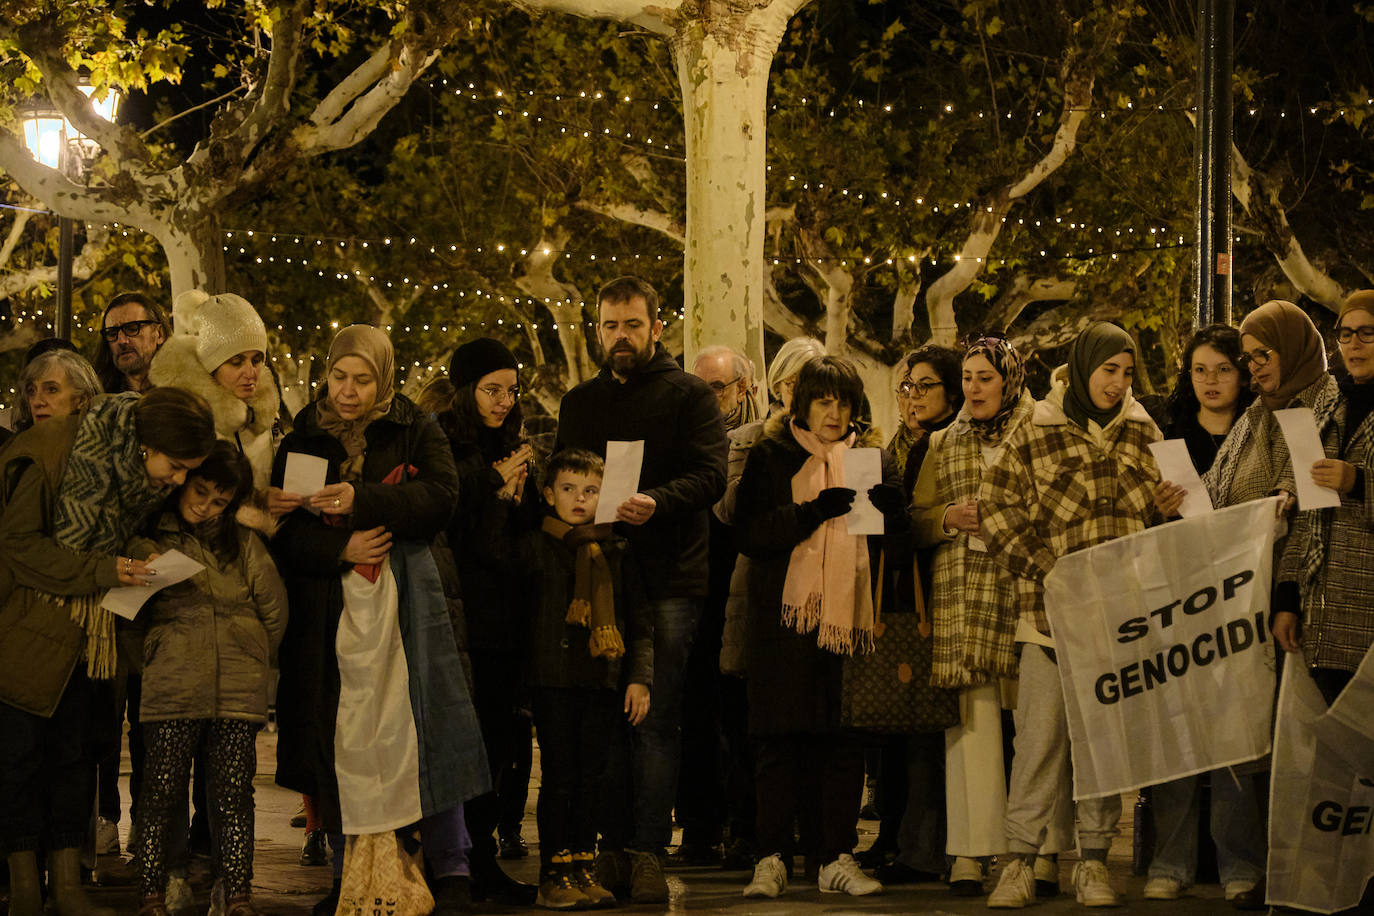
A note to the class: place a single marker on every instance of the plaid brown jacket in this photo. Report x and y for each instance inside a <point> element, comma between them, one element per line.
<point>1327,553</point>
<point>973,600</point>
<point>1056,489</point>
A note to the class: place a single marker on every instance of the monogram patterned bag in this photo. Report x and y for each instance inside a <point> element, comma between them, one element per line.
<point>887,691</point>
<point>381,879</point>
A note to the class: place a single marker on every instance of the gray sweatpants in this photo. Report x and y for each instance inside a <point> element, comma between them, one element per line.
<point>1041,771</point>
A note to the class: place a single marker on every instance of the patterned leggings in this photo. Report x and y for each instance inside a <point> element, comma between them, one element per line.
<point>232,758</point>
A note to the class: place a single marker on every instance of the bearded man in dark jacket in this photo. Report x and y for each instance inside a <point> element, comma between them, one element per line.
<point>642,394</point>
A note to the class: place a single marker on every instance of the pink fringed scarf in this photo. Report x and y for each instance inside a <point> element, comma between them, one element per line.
<point>827,587</point>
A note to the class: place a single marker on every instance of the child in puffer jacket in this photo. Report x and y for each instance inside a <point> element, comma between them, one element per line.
<point>206,656</point>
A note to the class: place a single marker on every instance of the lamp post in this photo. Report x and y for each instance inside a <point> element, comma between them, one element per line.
<point>53,141</point>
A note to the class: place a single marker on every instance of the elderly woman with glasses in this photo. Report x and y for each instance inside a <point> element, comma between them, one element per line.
<point>497,502</point>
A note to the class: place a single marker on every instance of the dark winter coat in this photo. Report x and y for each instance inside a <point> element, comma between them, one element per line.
<point>485,535</point>
<point>679,420</point>
<point>794,685</point>
<point>208,641</point>
<point>558,651</point>
<point>39,644</point>
<point>308,552</point>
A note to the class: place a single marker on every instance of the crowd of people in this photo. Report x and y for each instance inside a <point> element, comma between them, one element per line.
<point>447,591</point>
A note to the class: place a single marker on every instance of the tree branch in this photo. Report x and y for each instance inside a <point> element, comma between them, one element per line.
<point>283,62</point>
<point>650,16</point>
<point>85,264</point>
<point>1258,196</point>
<point>367,109</point>
<point>1077,75</point>
<point>64,196</point>
<point>1024,291</point>
<point>21,221</point>
<point>656,220</point>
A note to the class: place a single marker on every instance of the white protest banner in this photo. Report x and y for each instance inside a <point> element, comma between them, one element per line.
<point>1164,651</point>
<point>1321,807</point>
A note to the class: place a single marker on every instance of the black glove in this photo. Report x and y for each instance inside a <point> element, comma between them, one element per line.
<point>831,502</point>
<point>888,499</point>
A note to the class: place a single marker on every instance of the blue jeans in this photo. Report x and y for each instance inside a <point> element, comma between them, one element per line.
<point>1237,828</point>
<point>644,820</point>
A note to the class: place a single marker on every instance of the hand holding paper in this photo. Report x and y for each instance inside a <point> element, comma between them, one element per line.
<point>1176,467</point>
<point>305,474</point>
<point>1305,449</point>
<point>620,479</point>
<point>171,567</point>
<point>863,470</point>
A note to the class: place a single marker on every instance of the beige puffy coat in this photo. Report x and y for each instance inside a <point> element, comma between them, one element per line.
<point>209,641</point>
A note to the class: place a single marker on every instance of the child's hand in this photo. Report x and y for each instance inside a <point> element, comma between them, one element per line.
<point>636,703</point>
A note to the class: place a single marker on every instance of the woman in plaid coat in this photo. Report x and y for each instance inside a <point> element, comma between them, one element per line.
<point>970,602</point>
<point>1323,606</point>
<point>1079,473</point>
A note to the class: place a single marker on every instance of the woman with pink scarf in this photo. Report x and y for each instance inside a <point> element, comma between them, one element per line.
<point>810,607</point>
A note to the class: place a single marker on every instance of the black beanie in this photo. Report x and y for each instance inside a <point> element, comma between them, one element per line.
<point>476,358</point>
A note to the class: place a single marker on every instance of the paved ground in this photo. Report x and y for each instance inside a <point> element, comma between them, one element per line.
<point>284,888</point>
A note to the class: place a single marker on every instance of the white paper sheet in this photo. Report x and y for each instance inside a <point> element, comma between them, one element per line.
<point>863,469</point>
<point>172,567</point>
<point>1176,466</point>
<point>1305,448</point>
<point>305,474</point>
<point>620,480</point>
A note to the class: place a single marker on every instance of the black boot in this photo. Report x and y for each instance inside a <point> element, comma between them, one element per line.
<point>452,896</point>
<point>330,903</point>
<point>316,849</point>
<point>489,882</point>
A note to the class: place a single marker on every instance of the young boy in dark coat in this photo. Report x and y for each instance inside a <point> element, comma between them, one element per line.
<point>592,639</point>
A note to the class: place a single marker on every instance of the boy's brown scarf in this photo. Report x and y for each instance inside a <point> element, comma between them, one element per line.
<point>593,604</point>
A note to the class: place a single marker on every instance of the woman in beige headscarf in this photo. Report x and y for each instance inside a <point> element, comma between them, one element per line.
<point>1287,363</point>
<point>369,626</point>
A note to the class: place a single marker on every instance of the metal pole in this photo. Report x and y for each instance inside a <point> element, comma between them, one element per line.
<point>1212,239</point>
<point>1203,242</point>
<point>1222,231</point>
<point>62,325</point>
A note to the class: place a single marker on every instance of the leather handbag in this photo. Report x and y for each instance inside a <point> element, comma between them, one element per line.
<point>887,691</point>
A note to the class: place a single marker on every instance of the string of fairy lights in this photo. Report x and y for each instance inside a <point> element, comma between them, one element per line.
<point>312,253</point>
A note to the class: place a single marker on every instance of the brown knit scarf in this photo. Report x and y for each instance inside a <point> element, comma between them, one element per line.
<point>593,604</point>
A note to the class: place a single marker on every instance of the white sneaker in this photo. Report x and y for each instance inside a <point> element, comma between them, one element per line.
<point>843,876</point>
<point>106,837</point>
<point>1163,888</point>
<point>770,878</point>
<point>179,898</point>
<point>1015,887</point>
<point>1091,885</point>
<point>1235,888</point>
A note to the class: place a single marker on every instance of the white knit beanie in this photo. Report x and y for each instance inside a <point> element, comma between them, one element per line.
<point>223,325</point>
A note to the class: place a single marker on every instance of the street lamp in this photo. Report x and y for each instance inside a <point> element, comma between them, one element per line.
<point>54,141</point>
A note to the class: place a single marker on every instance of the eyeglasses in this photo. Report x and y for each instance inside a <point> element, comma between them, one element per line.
<point>1259,357</point>
<point>1224,371</point>
<point>721,387</point>
<point>497,394</point>
<point>1364,332</point>
<point>128,329</point>
<point>911,389</point>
